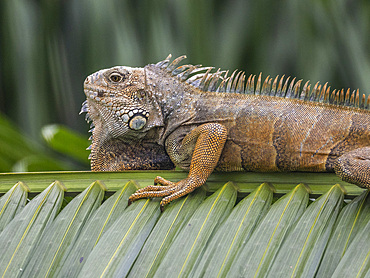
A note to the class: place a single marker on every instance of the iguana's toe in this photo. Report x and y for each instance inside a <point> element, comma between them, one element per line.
<point>163,181</point>
<point>152,191</point>
<point>152,188</point>
<point>168,190</point>
<point>179,192</point>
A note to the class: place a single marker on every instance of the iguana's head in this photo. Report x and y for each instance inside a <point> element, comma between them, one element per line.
<point>119,104</point>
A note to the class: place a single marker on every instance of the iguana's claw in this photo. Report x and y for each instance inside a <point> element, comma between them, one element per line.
<point>168,190</point>
<point>161,207</point>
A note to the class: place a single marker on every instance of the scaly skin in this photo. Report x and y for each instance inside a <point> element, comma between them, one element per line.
<point>163,115</point>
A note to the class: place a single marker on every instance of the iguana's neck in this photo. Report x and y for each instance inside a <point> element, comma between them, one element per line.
<point>177,100</point>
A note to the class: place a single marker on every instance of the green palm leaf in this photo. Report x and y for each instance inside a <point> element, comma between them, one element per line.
<point>74,259</point>
<point>255,258</point>
<point>117,249</point>
<point>356,260</point>
<point>234,233</point>
<point>300,254</point>
<point>169,224</point>
<point>21,235</point>
<point>351,220</point>
<point>194,236</point>
<point>12,202</point>
<point>192,239</point>
<point>63,231</point>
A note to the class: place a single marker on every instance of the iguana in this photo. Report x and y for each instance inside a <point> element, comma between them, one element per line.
<point>165,115</point>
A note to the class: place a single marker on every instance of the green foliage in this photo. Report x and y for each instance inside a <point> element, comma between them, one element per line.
<point>17,196</point>
<point>301,252</point>
<point>234,233</point>
<point>18,153</point>
<point>189,244</point>
<point>62,232</point>
<point>22,234</point>
<point>73,261</point>
<point>168,225</point>
<point>66,141</point>
<point>258,253</point>
<point>194,237</point>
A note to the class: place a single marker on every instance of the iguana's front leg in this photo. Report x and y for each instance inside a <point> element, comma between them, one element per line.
<point>204,145</point>
<point>354,167</point>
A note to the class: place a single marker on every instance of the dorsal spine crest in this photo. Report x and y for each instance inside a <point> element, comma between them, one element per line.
<point>219,81</point>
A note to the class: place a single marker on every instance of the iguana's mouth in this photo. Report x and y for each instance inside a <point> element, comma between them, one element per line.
<point>113,106</point>
<point>105,98</point>
<point>96,92</point>
<point>136,118</point>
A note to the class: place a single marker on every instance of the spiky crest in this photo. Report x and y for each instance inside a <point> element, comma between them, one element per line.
<point>219,81</point>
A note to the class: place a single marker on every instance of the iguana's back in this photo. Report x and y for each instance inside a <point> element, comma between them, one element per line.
<point>268,133</point>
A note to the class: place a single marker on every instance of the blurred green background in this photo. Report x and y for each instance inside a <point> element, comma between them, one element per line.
<point>48,47</point>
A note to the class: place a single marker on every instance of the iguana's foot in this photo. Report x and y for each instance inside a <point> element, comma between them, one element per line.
<point>167,189</point>
<point>353,167</point>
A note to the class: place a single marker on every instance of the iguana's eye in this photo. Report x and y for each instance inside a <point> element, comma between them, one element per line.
<point>115,77</point>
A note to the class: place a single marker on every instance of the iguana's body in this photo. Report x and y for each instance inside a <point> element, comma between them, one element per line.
<point>163,117</point>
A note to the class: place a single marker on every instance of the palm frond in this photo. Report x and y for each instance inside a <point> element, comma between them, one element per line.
<point>270,229</point>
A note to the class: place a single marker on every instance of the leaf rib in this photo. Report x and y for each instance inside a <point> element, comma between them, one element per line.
<point>66,232</point>
<point>6,202</point>
<point>205,220</point>
<point>363,265</point>
<point>308,236</point>
<point>168,232</point>
<point>354,223</point>
<point>123,239</point>
<point>276,227</point>
<point>111,212</point>
<point>237,232</point>
<point>27,229</point>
